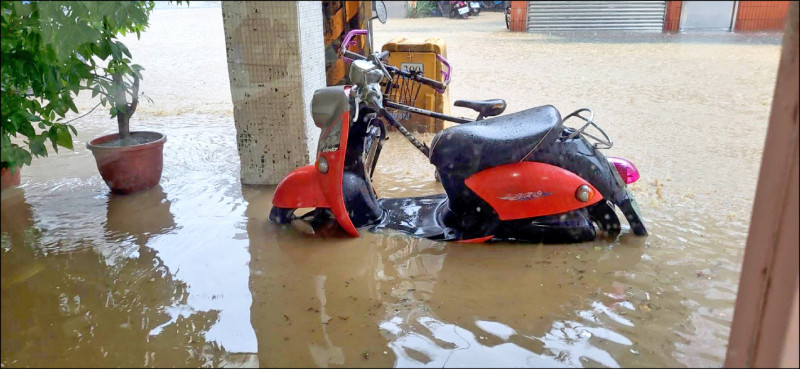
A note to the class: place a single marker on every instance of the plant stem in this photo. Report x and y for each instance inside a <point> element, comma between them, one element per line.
<point>125,110</point>
<point>90,111</point>
<point>122,110</point>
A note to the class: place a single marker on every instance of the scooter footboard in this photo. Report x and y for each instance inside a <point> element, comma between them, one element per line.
<point>413,215</point>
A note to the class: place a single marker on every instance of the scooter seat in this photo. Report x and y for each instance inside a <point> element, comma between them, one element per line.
<point>486,108</point>
<point>471,147</point>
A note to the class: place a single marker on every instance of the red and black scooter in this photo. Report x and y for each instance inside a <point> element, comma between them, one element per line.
<point>518,177</point>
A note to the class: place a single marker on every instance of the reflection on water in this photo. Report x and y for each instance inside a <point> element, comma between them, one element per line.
<point>77,309</point>
<point>192,273</point>
<point>149,208</point>
<point>436,323</point>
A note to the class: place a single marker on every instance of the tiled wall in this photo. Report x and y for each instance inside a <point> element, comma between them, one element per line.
<point>275,62</point>
<point>312,57</point>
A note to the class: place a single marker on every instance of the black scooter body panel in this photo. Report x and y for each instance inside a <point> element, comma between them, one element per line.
<point>581,158</point>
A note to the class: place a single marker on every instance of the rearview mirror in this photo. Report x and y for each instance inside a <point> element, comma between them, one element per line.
<point>380,9</point>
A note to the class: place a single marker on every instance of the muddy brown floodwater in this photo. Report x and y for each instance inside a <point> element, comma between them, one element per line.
<point>192,273</point>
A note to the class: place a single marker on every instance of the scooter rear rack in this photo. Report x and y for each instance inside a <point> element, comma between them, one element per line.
<point>606,143</point>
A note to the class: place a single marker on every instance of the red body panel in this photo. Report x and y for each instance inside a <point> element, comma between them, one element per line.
<point>530,189</point>
<point>331,182</point>
<point>477,240</point>
<point>300,189</point>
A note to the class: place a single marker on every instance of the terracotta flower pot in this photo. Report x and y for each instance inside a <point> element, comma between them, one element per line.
<point>9,179</point>
<point>127,169</point>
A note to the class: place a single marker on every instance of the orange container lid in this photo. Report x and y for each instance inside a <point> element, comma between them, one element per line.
<point>431,44</point>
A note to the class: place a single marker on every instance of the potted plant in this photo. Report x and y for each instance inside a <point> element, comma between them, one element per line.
<point>38,85</point>
<point>53,50</point>
<point>127,161</point>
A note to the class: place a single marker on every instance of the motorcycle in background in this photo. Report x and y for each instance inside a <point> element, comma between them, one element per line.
<point>474,7</point>
<point>459,9</point>
<point>508,16</point>
<point>494,5</point>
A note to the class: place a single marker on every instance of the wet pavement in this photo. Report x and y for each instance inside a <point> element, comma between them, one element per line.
<point>191,273</point>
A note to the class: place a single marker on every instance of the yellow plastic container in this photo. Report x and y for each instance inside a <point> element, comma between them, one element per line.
<point>415,54</point>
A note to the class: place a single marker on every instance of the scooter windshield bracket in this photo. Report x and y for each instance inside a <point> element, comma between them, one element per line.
<point>599,143</point>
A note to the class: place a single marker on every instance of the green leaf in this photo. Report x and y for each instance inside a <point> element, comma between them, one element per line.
<point>23,156</point>
<point>115,50</point>
<point>64,139</point>
<point>52,134</point>
<point>124,49</point>
<point>103,49</point>
<point>26,129</point>
<point>71,105</point>
<point>37,146</point>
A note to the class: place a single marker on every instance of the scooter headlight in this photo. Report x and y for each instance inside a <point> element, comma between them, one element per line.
<point>363,73</point>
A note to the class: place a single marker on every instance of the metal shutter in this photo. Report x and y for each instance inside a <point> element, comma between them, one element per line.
<point>596,15</point>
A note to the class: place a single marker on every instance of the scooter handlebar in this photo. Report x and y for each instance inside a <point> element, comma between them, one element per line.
<point>346,42</point>
<point>349,56</point>
<point>446,74</point>
<point>438,86</point>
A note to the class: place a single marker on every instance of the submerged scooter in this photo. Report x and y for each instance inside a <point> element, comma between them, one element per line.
<point>518,177</point>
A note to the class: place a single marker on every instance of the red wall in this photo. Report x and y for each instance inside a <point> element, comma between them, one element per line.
<point>519,16</point>
<point>672,21</point>
<point>761,15</point>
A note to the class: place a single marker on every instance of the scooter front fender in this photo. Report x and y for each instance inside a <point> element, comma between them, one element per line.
<point>300,189</point>
<point>307,187</point>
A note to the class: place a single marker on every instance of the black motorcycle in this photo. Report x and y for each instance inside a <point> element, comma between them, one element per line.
<point>456,9</point>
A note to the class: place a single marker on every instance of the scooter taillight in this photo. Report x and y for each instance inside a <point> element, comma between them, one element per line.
<point>626,169</point>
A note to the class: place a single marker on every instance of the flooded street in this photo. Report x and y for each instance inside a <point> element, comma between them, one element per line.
<point>192,273</point>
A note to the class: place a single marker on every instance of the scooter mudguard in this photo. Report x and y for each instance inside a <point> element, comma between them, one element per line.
<point>300,189</point>
<point>530,189</point>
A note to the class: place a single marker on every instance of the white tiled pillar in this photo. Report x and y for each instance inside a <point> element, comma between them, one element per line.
<point>275,62</point>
